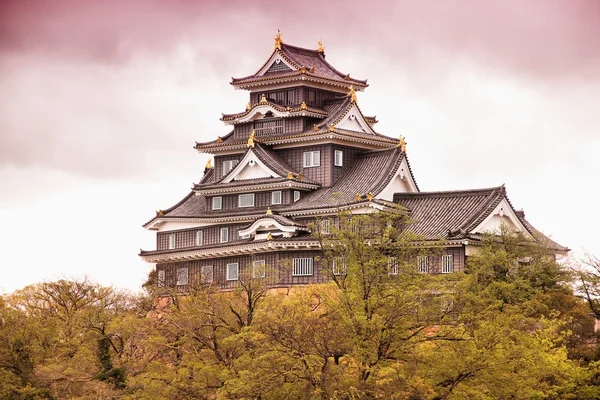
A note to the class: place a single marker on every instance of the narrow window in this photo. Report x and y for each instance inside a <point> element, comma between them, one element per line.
<point>246,200</point>
<point>172,241</point>
<point>217,203</point>
<point>325,226</point>
<point>182,276</point>
<point>339,158</point>
<point>206,273</point>
<point>291,97</point>
<point>447,264</point>
<point>233,271</point>
<point>199,238</point>
<point>312,97</point>
<point>258,269</point>
<point>296,195</point>
<point>224,235</point>
<point>302,267</point>
<point>339,266</point>
<point>423,264</point>
<point>392,264</point>
<point>160,281</point>
<point>312,159</point>
<point>276,197</point>
<point>246,236</point>
<point>228,166</point>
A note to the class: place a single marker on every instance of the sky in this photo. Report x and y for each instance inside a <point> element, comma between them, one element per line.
<point>101,103</point>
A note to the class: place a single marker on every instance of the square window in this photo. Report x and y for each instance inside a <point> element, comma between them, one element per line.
<point>296,195</point>
<point>338,158</point>
<point>423,264</point>
<point>447,264</point>
<point>161,279</point>
<point>302,267</point>
<point>233,271</point>
<point>217,203</point>
<point>258,269</point>
<point>246,200</point>
<point>339,266</point>
<point>182,276</point>
<point>276,197</point>
<point>224,235</point>
<point>206,273</point>
<point>228,166</point>
<point>172,241</point>
<point>199,238</point>
<point>312,159</point>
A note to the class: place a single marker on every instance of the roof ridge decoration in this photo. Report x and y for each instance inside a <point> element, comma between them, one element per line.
<point>402,143</point>
<point>278,40</point>
<point>251,139</point>
<point>320,47</point>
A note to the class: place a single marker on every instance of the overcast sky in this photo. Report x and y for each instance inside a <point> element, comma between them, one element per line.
<point>101,102</point>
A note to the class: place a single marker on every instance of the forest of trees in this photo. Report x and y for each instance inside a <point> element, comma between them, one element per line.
<point>514,325</point>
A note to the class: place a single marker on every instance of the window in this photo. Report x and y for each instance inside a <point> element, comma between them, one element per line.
<point>392,264</point>
<point>160,279</point>
<point>246,200</point>
<point>172,241</point>
<point>302,267</point>
<point>246,236</point>
<point>258,269</point>
<point>228,166</point>
<point>206,273</point>
<point>291,97</point>
<point>312,97</point>
<point>296,195</point>
<point>224,235</point>
<point>325,226</point>
<point>182,276</point>
<point>447,264</point>
<point>233,271</point>
<point>199,238</point>
<point>312,158</point>
<point>338,159</point>
<point>339,266</point>
<point>217,203</point>
<point>276,197</point>
<point>423,264</point>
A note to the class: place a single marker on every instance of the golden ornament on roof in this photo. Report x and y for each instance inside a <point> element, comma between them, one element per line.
<point>263,99</point>
<point>331,128</point>
<point>247,106</point>
<point>320,47</point>
<point>208,164</point>
<point>315,127</point>
<point>290,175</point>
<point>352,94</point>
<point>269,236</point>
<point>401,144</point>
<point>358,197</point>
<point>299,176</point>
<point>347,77</point>
<point>159,213</point>
<point>370,196</point>
<point>312,70</point>
<point>269,212</point>
<point>251,139</point>
<point>303,70</point>
<point>219,140</point>
<point>278,40</point>
<point>303,106</point>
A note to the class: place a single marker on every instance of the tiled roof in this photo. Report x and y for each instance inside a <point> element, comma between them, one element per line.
<point>300,57</point>
<point>279,218</point>
<point>292,110</point>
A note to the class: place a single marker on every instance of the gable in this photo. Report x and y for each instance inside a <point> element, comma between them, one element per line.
<point>250,167</point>
<point>503,215</point>
<point>276,63</point>
<point>402,182</point>
<point>355,121</point>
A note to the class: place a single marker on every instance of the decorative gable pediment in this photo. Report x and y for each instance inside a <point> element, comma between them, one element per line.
<point>250,167</point>
<point>355,121</point>
<point>402,182</point>
<point>261,229</point>
<point>277,63</point>
<point>503,215</point>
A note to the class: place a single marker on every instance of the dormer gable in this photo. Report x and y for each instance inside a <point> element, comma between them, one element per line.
<point>354,120</point>
<point>277,63</point>
<point>250,167</point>
<point>502,215</point>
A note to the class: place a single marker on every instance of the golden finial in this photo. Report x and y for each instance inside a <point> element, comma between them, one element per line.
<point>263,99</point>
<point>290,175</point>
<point>278,40</point>
<point>208,164</point>
<point>331,128</point>
<point>287,108</point>
<point>159,213</point>
<point>219,140</point>
<point>269,212</point>
<point>347,77</point>
<point>251,139</point>
<point>299,176</point>
<point>303,106</point>
<point>247,106</point>
<point>370,196</point>
<point>320,47</point>
<point>269,236</point>
<point>315,127</point>
<point>401,144</point>
<point>358,197</point>
<point>303,70</point>
<point>312,70</point>
<point>352,94</point>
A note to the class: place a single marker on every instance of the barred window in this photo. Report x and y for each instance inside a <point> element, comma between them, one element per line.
<point>258,269</point>
<point>217,203</point>
<point>268,127</point>
<point>339,266</point>
<point>423,264</point>
<point>172,241</point>
<point>161,279</point>
<point>228,166</point>
<point>392,264</point>
<point>182,276</point>
<point>312,159</point>
<point>296,195</point>
<point>224,235</point>
<point>302,267</point>
<point>246,200</point>
<point>312,97</point>
<point>276,197</point>
<point>233,271</point>
<point>325,226</point>
<point>206,273</point>
<point>199,238</point>
<point>338,159</point>
<point>447,264</point>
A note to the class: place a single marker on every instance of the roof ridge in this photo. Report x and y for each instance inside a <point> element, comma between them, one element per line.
<point>450,193</point>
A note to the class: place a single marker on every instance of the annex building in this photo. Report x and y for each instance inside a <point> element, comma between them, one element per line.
<point>301,151</point>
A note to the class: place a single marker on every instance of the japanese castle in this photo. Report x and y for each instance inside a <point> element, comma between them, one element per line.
<point>302,151</point>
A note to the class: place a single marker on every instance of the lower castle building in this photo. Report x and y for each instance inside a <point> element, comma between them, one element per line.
<point>301,152</point>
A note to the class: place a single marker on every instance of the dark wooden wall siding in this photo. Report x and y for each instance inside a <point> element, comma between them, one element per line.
<point>262,200</point>
<point>293,125</point>
<point>295,158</point>
<point>218,164</point>
<point>349,156</point>
<point>186,238</point>
<point>242,131</point>
<point>435,260</point>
